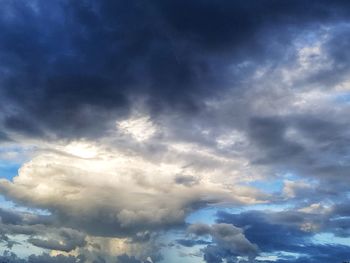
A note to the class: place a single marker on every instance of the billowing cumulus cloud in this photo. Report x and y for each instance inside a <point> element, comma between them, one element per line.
<point>108,200</point>
<point>124,124</point>
<point>89,192</point>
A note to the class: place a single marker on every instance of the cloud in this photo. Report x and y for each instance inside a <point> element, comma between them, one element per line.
<point>142,113</point>
<point>38,230</point>
<point>127,259</point>
<point>9,257</point>
<point>89,210</point>
<point>67,240</point>
<point>82,63</point>
<point>290,231</point>
<point>79,190</point>
<point>227,241</point>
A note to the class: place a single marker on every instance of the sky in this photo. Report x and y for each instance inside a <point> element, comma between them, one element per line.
<point>166,131</point>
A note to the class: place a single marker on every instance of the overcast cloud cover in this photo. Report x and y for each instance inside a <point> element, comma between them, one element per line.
<point>195,131</point>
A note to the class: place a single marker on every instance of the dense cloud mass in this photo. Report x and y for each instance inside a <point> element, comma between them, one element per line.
<point>174,131</point>
<point>73,63</point>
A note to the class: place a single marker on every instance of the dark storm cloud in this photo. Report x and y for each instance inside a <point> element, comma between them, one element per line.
<point>268,235</point>
<point>70,67</point>
<point>282,231</point>
<point>286,231</point>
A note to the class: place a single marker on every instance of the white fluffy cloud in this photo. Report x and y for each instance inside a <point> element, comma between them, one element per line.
<point>115,195</point>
